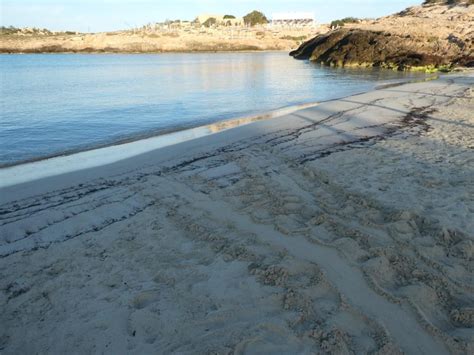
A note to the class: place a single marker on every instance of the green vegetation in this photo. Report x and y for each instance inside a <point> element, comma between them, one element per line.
<point>446,68</point>
<point>11,30</point>
<point>8,30</point>
<point>342,22</point>
<point>255,18</point>
<point>14,30</point>
<point>229,17</point>
<point>429,69</point>
<point>210,22</point>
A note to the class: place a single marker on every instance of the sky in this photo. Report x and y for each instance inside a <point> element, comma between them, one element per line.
<point>109,15</point>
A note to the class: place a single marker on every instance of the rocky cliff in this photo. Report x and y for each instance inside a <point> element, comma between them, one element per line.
<point>429,37</point>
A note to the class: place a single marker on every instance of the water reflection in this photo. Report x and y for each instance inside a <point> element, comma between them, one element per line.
<point>54,103</point>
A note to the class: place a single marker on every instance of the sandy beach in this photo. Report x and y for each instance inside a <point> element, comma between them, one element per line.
<point>342,228</point>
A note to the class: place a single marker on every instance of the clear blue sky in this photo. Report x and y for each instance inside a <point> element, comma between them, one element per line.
<point>105,15</point>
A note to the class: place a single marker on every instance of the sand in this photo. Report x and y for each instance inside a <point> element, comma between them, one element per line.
<point>342,228</point>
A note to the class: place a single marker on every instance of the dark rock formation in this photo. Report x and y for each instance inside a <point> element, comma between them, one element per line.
<point>358,47</point>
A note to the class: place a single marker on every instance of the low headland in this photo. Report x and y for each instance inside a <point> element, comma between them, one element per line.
<point>437,36</point>
<point>207,33</point>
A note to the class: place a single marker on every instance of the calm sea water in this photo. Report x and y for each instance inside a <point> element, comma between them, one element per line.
<point>58,103</point>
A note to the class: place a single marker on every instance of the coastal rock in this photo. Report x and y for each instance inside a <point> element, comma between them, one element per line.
<point>405,41</point>
<point>365,48</point>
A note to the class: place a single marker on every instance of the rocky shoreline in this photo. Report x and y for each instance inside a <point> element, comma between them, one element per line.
<point>405,41</point>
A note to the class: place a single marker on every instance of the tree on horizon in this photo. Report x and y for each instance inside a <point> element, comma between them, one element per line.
<point>255,18</point>
<point>211,21</point>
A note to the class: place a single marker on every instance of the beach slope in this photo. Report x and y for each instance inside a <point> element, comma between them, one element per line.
<point>345,227</point>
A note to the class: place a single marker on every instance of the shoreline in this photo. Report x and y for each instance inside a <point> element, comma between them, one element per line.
<point>153,53</point>
<point>127,148</point>
<point>167,132</point>
<point>209,126</point>
<point>341,227</point>
<point>453,69</point>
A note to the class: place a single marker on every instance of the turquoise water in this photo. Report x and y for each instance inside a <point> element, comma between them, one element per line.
<point>51,104</point>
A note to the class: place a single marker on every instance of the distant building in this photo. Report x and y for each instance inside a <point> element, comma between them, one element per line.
<point>293,19</point>
<point>220,20</point>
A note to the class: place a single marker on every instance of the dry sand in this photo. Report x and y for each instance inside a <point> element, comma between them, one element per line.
<point>342,228</point>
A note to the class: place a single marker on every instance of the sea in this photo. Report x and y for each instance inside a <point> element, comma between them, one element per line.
<point>57,104</point>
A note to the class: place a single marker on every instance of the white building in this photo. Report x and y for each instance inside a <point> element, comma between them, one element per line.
<point>293,19</point>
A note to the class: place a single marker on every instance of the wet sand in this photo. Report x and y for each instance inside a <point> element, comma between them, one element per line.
<point>345,227</point>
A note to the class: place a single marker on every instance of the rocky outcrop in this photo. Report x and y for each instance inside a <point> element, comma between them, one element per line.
<point>401,42</point>
<point>380,49</point>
